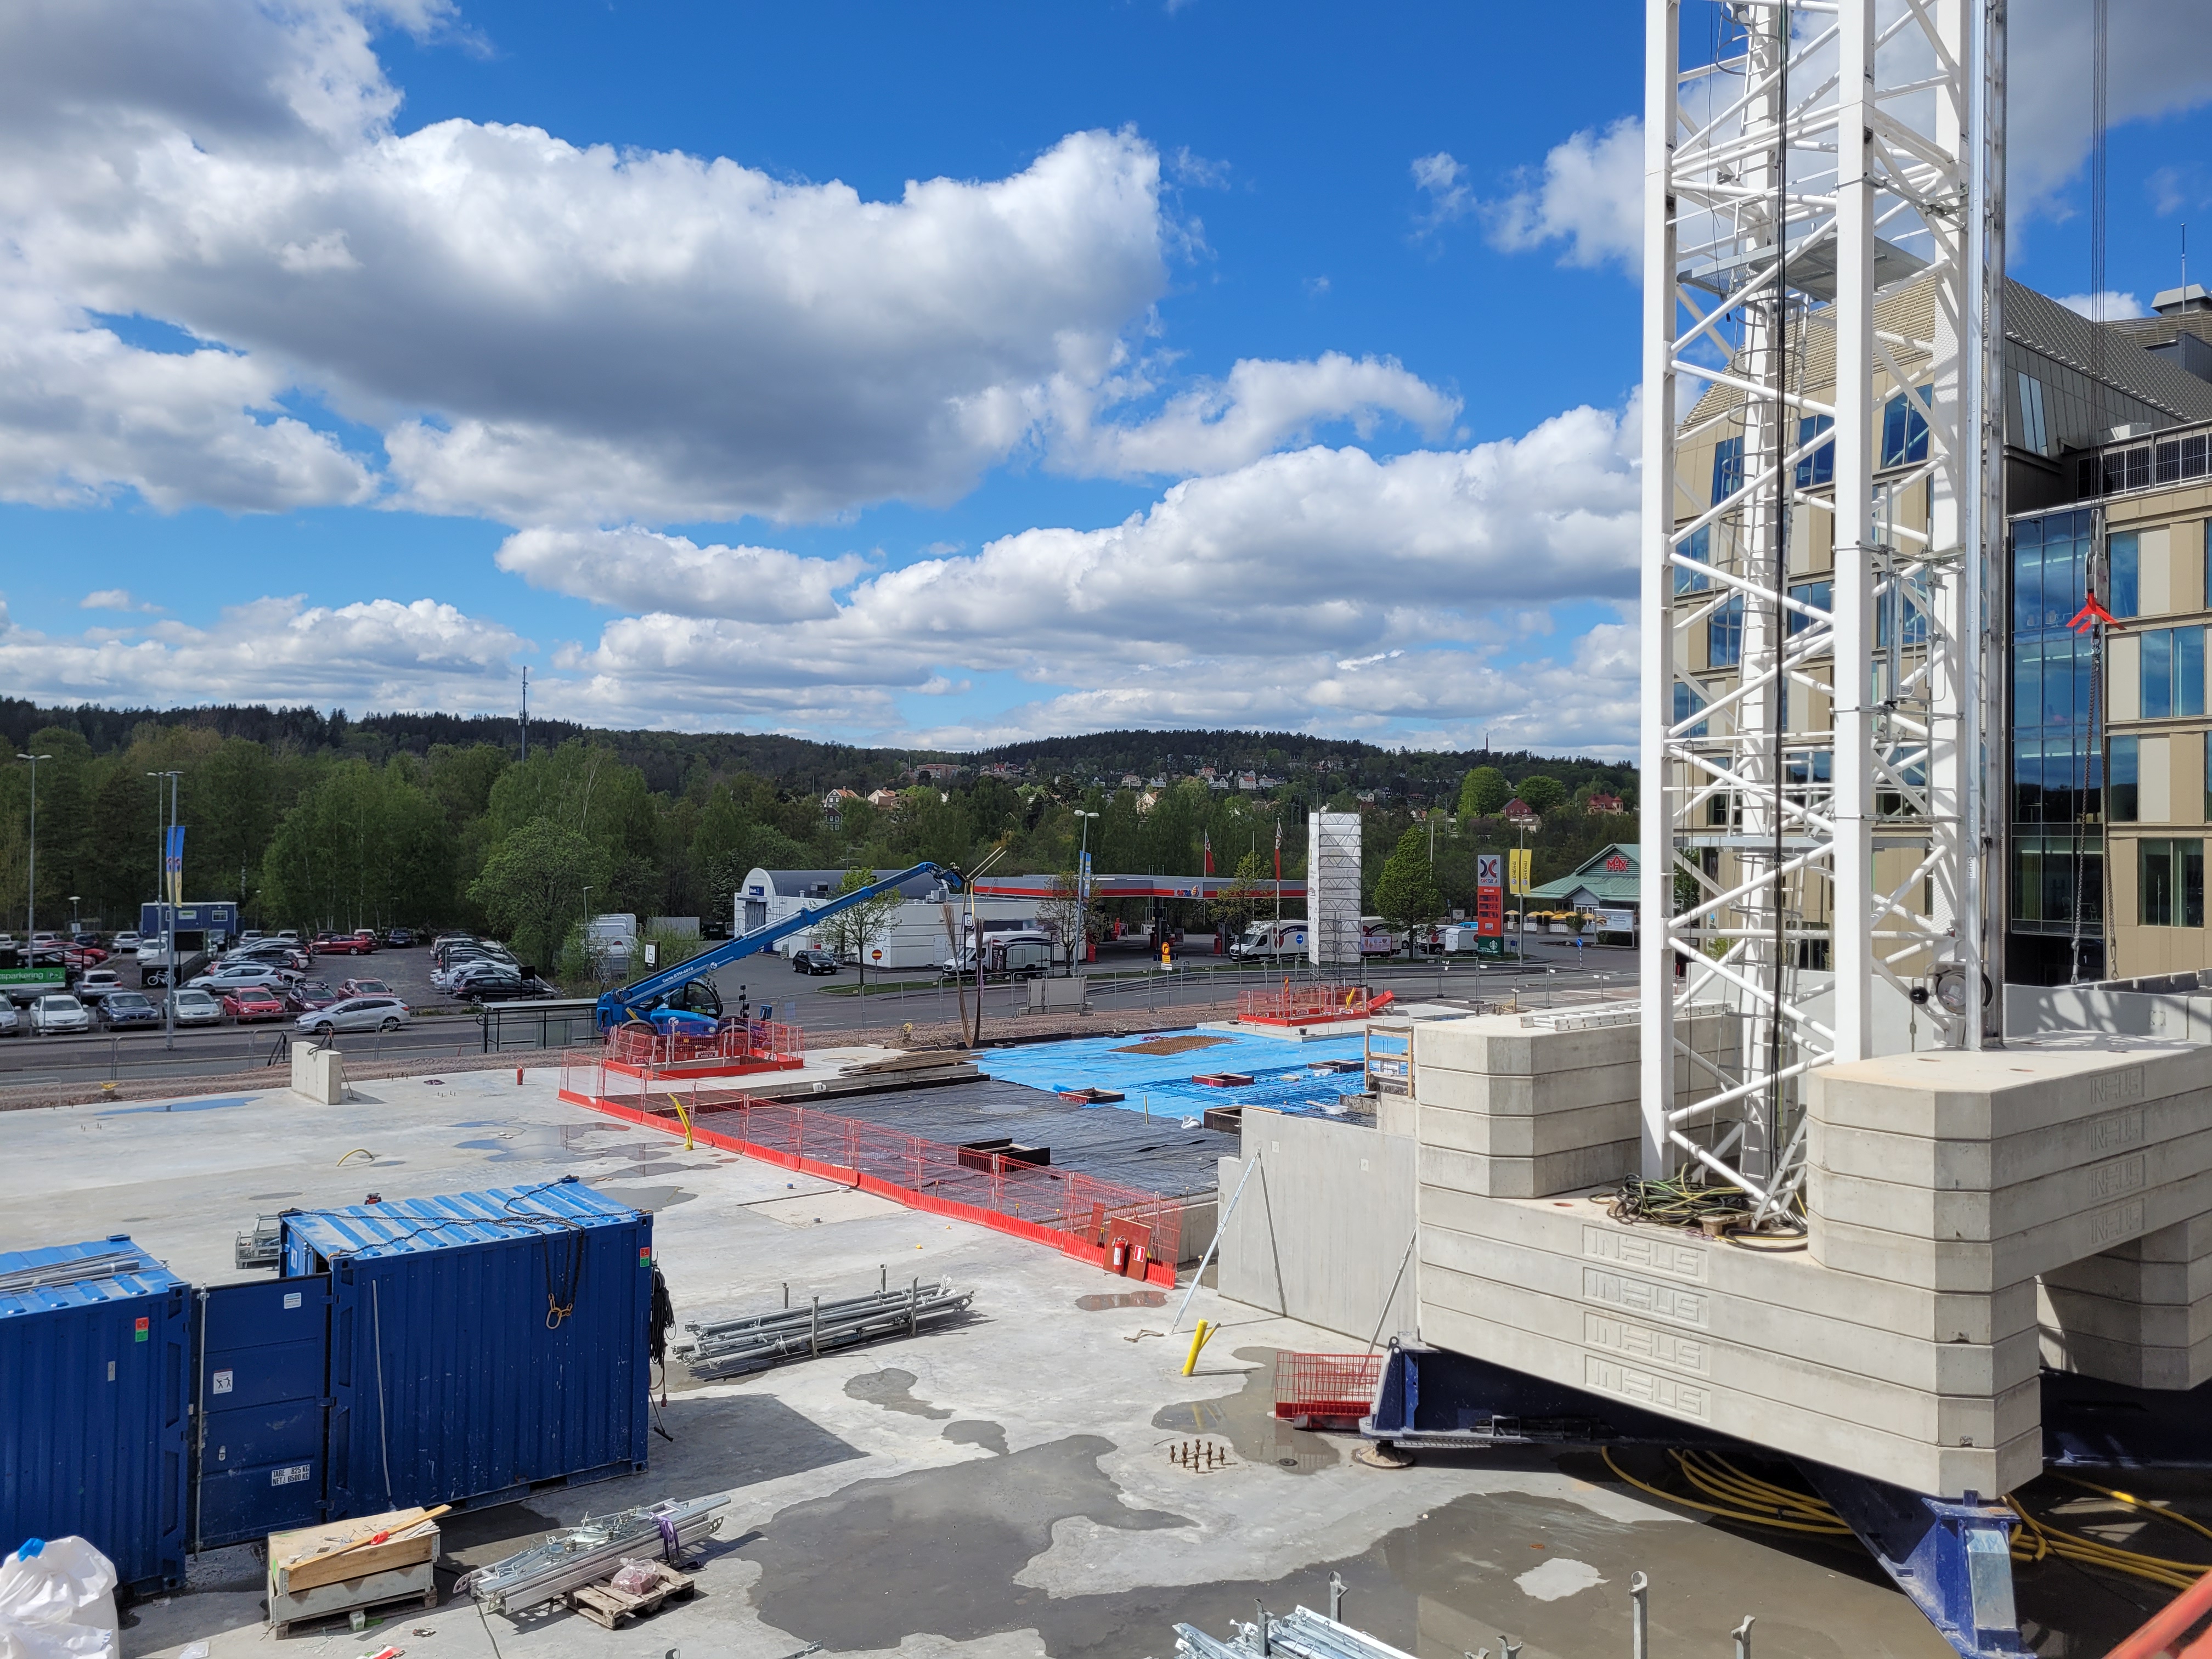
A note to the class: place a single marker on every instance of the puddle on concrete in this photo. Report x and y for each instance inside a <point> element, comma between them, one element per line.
<point>1103,1301</point>
<point>268,1198</point>
<point>650,1198</point>
<point>936,1551</point>
<point>974,1432</point>
<point>893,1390</point>
<point>1247,1421</point>
<point>571,1143</point>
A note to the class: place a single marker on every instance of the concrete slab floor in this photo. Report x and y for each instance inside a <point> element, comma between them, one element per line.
<point>999,1489</point>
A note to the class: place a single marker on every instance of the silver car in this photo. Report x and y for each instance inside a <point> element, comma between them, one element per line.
<point>53,1015</point>
<point>198,1008</point>
<point>237,975</point>
<point>355,1014</point>
<point>11,1023</point>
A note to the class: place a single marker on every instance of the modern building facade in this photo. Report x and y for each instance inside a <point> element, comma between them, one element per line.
<point>2108,482</point>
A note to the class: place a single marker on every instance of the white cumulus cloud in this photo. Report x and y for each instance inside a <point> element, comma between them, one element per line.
<point>380,654</point>
<point>645,570</point>
<point>1589,197</point>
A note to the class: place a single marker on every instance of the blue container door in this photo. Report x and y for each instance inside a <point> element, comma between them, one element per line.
<point>261,1395</point>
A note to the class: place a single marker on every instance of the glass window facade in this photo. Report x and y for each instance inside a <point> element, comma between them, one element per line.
<point>1905,428</point>
<point>2173,672</point>
<point>1724,633</point>
<point>2170,883</point>
<point>1699,546</point>
<point>2124,564</point>
<point>1819,466</point>
<point>1728,469</point>
<point>1817,594</point>
<point>2057,771</point>
<point>2127,772</point>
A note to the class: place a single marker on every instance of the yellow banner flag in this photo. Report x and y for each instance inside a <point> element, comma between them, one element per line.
<point>1517,862</point>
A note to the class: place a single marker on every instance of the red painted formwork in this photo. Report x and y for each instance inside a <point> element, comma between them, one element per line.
<point>733,1048</point>
<point>1078,1214</point>
<point>1308,1004</point>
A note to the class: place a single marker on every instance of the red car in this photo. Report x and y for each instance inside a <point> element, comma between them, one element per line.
<point>366,988</point>
<point>309,994</point>
<point>341,944</point>
<point>253,1002</point>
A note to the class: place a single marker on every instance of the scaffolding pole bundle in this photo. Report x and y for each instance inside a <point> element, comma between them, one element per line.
<point>730,1347</point>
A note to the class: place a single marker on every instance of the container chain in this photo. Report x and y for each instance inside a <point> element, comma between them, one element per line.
<point>583,1554</point>
<point>730,1347</point>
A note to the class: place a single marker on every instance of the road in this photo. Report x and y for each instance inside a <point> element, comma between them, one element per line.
<point>822,1006</point>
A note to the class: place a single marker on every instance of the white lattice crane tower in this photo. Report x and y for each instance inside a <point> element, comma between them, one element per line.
<point>1823,814</point>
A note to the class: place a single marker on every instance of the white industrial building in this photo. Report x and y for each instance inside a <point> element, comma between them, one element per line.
<point>914,936</point>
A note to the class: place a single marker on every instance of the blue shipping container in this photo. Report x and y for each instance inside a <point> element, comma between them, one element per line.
<point>480,1343</point>
<point>94,1371</point>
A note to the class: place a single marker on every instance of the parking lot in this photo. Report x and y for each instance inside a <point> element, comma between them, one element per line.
<point>1125,980</point>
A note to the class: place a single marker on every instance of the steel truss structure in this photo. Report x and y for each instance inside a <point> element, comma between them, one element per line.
<point>1818,845</point>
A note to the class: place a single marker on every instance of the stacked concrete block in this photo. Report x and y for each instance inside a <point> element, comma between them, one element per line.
<point>1975,1171</point>
<point>1512,1109</point>
<point>1903,1340</point>
<point>2140,1313</point>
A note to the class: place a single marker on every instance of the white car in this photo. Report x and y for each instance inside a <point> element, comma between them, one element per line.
<point>355,1014</point>
<point>97,982</point>
<point>237,977</point>
<point>50,1016</point>
<point>11,1023</point>
<point>125,941</point>
<point>249,935</point>
<point>198,1008</point>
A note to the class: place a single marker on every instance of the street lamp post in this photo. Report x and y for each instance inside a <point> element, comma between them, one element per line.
<point>74,929</point>
<point>165,807</point>
<point>31,911</point>
<point>1083,890</point>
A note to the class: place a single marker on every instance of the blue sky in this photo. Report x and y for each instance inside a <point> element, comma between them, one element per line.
<point>352,375</point>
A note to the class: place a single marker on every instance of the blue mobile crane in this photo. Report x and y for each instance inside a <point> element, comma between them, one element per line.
<point>683,997</point>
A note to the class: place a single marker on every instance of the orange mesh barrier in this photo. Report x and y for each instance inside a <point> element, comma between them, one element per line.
<point>1325,1384</point>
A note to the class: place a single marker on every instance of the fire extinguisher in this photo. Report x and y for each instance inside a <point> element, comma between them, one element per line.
<point>1121,1255</point>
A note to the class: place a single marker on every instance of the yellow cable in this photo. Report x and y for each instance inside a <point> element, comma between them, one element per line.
<point>2174,1516</point>
<point>1710,1509</point>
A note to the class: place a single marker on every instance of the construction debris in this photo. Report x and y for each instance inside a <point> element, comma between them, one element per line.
<point>730,1347</point>
<point>576,1556</point>
<point>1303,1634</point>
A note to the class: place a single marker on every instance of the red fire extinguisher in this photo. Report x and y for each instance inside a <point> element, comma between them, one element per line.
<point>1121,1255</point>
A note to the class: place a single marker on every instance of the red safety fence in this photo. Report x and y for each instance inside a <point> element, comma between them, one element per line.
<point>638,1044</point>
<point>2167,1630</point>
<point>1123,1228</point>
<point>1340,1385</point>
<point>1294,1005</point>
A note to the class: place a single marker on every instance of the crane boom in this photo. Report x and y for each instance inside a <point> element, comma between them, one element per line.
<point>637,1000</point>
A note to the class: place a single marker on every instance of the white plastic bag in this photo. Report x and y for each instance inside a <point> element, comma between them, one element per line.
<point>57,1601</point>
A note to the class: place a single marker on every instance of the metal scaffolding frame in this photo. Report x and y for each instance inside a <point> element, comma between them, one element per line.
<point>1814,151</point>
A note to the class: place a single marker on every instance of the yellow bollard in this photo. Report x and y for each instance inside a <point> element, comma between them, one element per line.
<point>1199,1339</point>
<point>684,1118</point>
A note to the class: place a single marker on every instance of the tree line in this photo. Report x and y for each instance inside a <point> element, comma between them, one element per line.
<point>469,835</point>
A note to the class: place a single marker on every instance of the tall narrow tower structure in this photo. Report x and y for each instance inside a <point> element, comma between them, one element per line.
<point>1822,530</point>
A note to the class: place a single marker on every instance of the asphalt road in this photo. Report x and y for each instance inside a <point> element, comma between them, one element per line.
<point>821,1005</point>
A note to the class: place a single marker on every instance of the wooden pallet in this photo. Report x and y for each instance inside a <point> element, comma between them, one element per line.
<point>603,1604</point>
<point>428,1599</point>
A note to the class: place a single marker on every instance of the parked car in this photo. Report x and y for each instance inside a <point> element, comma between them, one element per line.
<point>275,954</point>
<point>368,938</point>
<point>237,977</point>
<point>356,1014</point>
<point>364,987</point>
<point>78,957</point>
<point>400,939</point>
<point>503,987</point>
<point>11,1023</point>
<point>289,935</point>
<point>341,944</point>
<point>814,962</point>
<point>119,1009</point>
<point>249,935</point>
<point>305,996</point>
<point>250,1002</point>
<point>198,1008</point>
<point>52,1015</point>
<point>125,943</point>
<point>96,982</point>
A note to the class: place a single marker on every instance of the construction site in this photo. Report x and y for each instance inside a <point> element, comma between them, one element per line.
<point>1839,1281</point>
